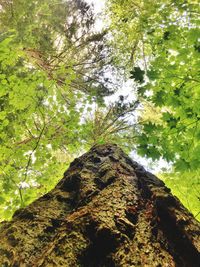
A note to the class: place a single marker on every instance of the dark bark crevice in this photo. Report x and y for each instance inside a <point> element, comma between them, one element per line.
<point>185,254</point>
<point>102,244</point>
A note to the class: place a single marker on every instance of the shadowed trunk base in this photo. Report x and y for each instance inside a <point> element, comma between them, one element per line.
<point>106,211</point>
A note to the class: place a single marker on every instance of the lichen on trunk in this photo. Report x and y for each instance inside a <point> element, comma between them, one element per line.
<point>106,211</point>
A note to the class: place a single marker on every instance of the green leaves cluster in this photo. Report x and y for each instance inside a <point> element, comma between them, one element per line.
<point>54,73</point>
<point>188,195</point>
<point>39,129</point>
<point>59,37</point>
<point>137,74</point>
<point>174,81</point>
<point>158,42</point>
<point>162,40</point>
<point>111,124</point>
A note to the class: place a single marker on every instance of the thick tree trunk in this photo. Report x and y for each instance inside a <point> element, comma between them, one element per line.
<point>106,211</point>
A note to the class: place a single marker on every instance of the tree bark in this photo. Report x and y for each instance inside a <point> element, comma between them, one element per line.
<point>106,211</point>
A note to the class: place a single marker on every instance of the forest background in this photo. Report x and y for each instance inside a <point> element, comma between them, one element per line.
<point>66,85</point>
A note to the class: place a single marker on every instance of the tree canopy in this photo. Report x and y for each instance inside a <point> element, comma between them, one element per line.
<point>56,71</point>
<point>157,44</point>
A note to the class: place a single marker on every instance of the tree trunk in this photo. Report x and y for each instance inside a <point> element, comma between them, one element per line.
<point>106,211</point>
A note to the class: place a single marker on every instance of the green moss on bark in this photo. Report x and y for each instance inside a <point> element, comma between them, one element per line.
<point>106,211</point>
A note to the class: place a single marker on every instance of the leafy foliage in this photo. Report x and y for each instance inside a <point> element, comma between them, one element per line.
<point>35,121</point>
<point>59,37</point>
<point>161,40</point>
<point>137,74</point>
<point>52,66</point>
<point>189,195</point>
<point>55,70</point>
<point>165,41</point>
<point>111,124</point>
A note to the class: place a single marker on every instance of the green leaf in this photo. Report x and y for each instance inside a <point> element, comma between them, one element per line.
<point>137,74</point>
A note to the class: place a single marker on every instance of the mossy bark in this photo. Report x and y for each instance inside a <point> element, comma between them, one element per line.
<point>106,211</point>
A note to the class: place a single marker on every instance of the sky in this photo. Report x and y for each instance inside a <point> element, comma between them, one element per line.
<point>127,90</point>
<point>98,4</point>
<point>127,87</point>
